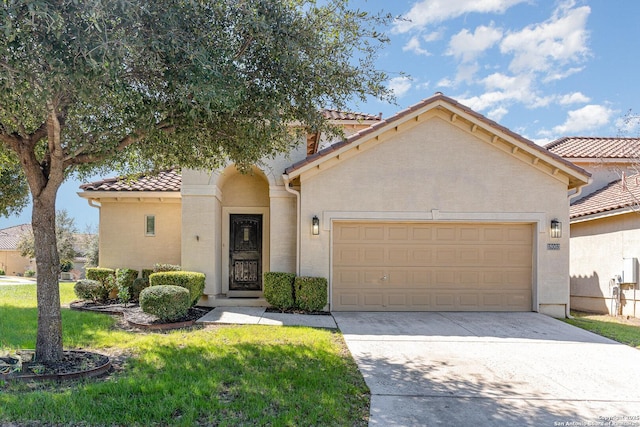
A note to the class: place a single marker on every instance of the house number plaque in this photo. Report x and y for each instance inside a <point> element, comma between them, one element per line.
<point>553,246</point>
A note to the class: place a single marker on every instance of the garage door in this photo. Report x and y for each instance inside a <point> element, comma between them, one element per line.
<point>387,266</point>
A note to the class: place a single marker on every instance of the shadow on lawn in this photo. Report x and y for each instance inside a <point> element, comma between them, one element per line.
<point>210,384</point>
<point>18,327</point>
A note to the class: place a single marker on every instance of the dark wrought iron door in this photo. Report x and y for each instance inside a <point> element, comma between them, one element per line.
<point>245,252</point>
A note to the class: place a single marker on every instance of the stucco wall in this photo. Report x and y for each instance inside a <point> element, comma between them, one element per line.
<point>123,243</point>
<point>436,171</point>
<point>13,264</point>
<point>598,248</point>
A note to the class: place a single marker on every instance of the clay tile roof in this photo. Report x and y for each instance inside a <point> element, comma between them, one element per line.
<point>163,181</point>
<point>613,196</point>
<point>342,115</point>
<point>595,147</point>
<point>9,237</point>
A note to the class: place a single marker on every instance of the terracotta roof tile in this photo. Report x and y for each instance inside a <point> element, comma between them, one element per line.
<point>164,181</point>
<point>613,196</point>
<point>9,237</point>
<point>343,115</point>
<point>581,147</point>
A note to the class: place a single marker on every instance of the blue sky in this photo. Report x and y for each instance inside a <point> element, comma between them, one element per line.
<point>542,68</point>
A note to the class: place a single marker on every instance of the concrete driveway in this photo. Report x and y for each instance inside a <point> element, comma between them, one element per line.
<point>491,369</point>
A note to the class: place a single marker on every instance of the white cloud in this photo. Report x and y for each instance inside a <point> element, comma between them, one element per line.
<point>427,12</point>
<point>573,98</point>
<point>433,36</point>
<point>542,47</point>
<point>445,82</point>
<point>466,46</point>
<point>413,45</point>
<point>561,74</point>
<point>400,85</point>
<point>497,113</point>
<point>586,118</point>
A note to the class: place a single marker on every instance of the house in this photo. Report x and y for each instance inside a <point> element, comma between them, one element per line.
<point>435,208</point>
<point>11,262</point>
<point>605,224</point>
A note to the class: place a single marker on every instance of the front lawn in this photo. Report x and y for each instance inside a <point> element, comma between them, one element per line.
<point>616,328</point>
<point>230,375</point>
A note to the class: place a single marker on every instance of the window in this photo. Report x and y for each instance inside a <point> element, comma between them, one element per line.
<point>150,225</point>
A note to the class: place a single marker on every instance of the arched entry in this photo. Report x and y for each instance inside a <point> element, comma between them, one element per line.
<point>245,231</point>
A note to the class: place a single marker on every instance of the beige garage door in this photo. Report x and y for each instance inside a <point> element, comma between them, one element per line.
<point>385,266</point>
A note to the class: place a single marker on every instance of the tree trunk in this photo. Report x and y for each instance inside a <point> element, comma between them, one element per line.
<point>43,221</point>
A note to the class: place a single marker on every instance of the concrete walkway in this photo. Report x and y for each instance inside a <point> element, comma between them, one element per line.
<point>15,280</point>
<point>259,316</point>
<point>491,369</point>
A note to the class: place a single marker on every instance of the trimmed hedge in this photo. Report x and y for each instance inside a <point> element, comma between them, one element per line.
<point>106,276</point>
<point>146,272</point>
<point>159,268</point>
<point>1,272</point>
<point>310,293</point>
<point>124,282</point>
<point>88,289</point>
<point>278,289</point>
<point>137,286</point>
<point>192,281</point>
<point>169,303</point>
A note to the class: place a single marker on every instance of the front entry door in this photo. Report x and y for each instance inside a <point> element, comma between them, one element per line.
<point>245,254</point>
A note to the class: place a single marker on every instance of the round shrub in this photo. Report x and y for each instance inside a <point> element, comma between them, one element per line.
<point>169,303</point>
<point>278,289</point>
<point>192,281</point>
<point>311,293</point>
<point>89,289</point>
<point>138,285</point>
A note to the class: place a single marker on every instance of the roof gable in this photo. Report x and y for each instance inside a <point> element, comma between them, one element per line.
<point>460,116</point>
<point>583,147</point>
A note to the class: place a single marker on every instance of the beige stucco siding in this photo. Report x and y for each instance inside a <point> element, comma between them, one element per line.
<point>123,243</point>
<point>14,264</point>
<point>437,172</point>
<point>598,248</point>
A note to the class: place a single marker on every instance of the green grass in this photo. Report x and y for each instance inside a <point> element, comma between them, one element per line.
<point>228,376</point>
<point>617,329</point>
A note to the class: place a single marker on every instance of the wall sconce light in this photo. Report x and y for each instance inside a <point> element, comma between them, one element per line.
<point>556,229</point>
<point>315,226</point>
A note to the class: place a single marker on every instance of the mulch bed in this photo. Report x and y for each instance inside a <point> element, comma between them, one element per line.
<point>73,365</point>
<point>135,317</point>
<point>297,311</point>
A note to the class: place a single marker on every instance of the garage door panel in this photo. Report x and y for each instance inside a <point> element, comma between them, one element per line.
<point>410,266</point>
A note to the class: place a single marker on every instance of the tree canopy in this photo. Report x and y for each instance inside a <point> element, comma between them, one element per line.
<point>149,84</point>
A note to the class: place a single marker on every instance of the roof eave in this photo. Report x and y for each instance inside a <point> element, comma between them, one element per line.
<point>96,195</point>
<point>603,214</point>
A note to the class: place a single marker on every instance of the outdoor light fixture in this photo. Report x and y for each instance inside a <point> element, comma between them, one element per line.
<point>315,226</point>
<point>556,229</point>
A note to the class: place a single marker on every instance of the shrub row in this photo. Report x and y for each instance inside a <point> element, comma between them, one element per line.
<point>163,301</point>
<point>286,291</point>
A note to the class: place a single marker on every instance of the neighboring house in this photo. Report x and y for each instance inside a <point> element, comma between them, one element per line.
<point>11,261</point>
<point>605,224</point>
<point>435,208</point>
